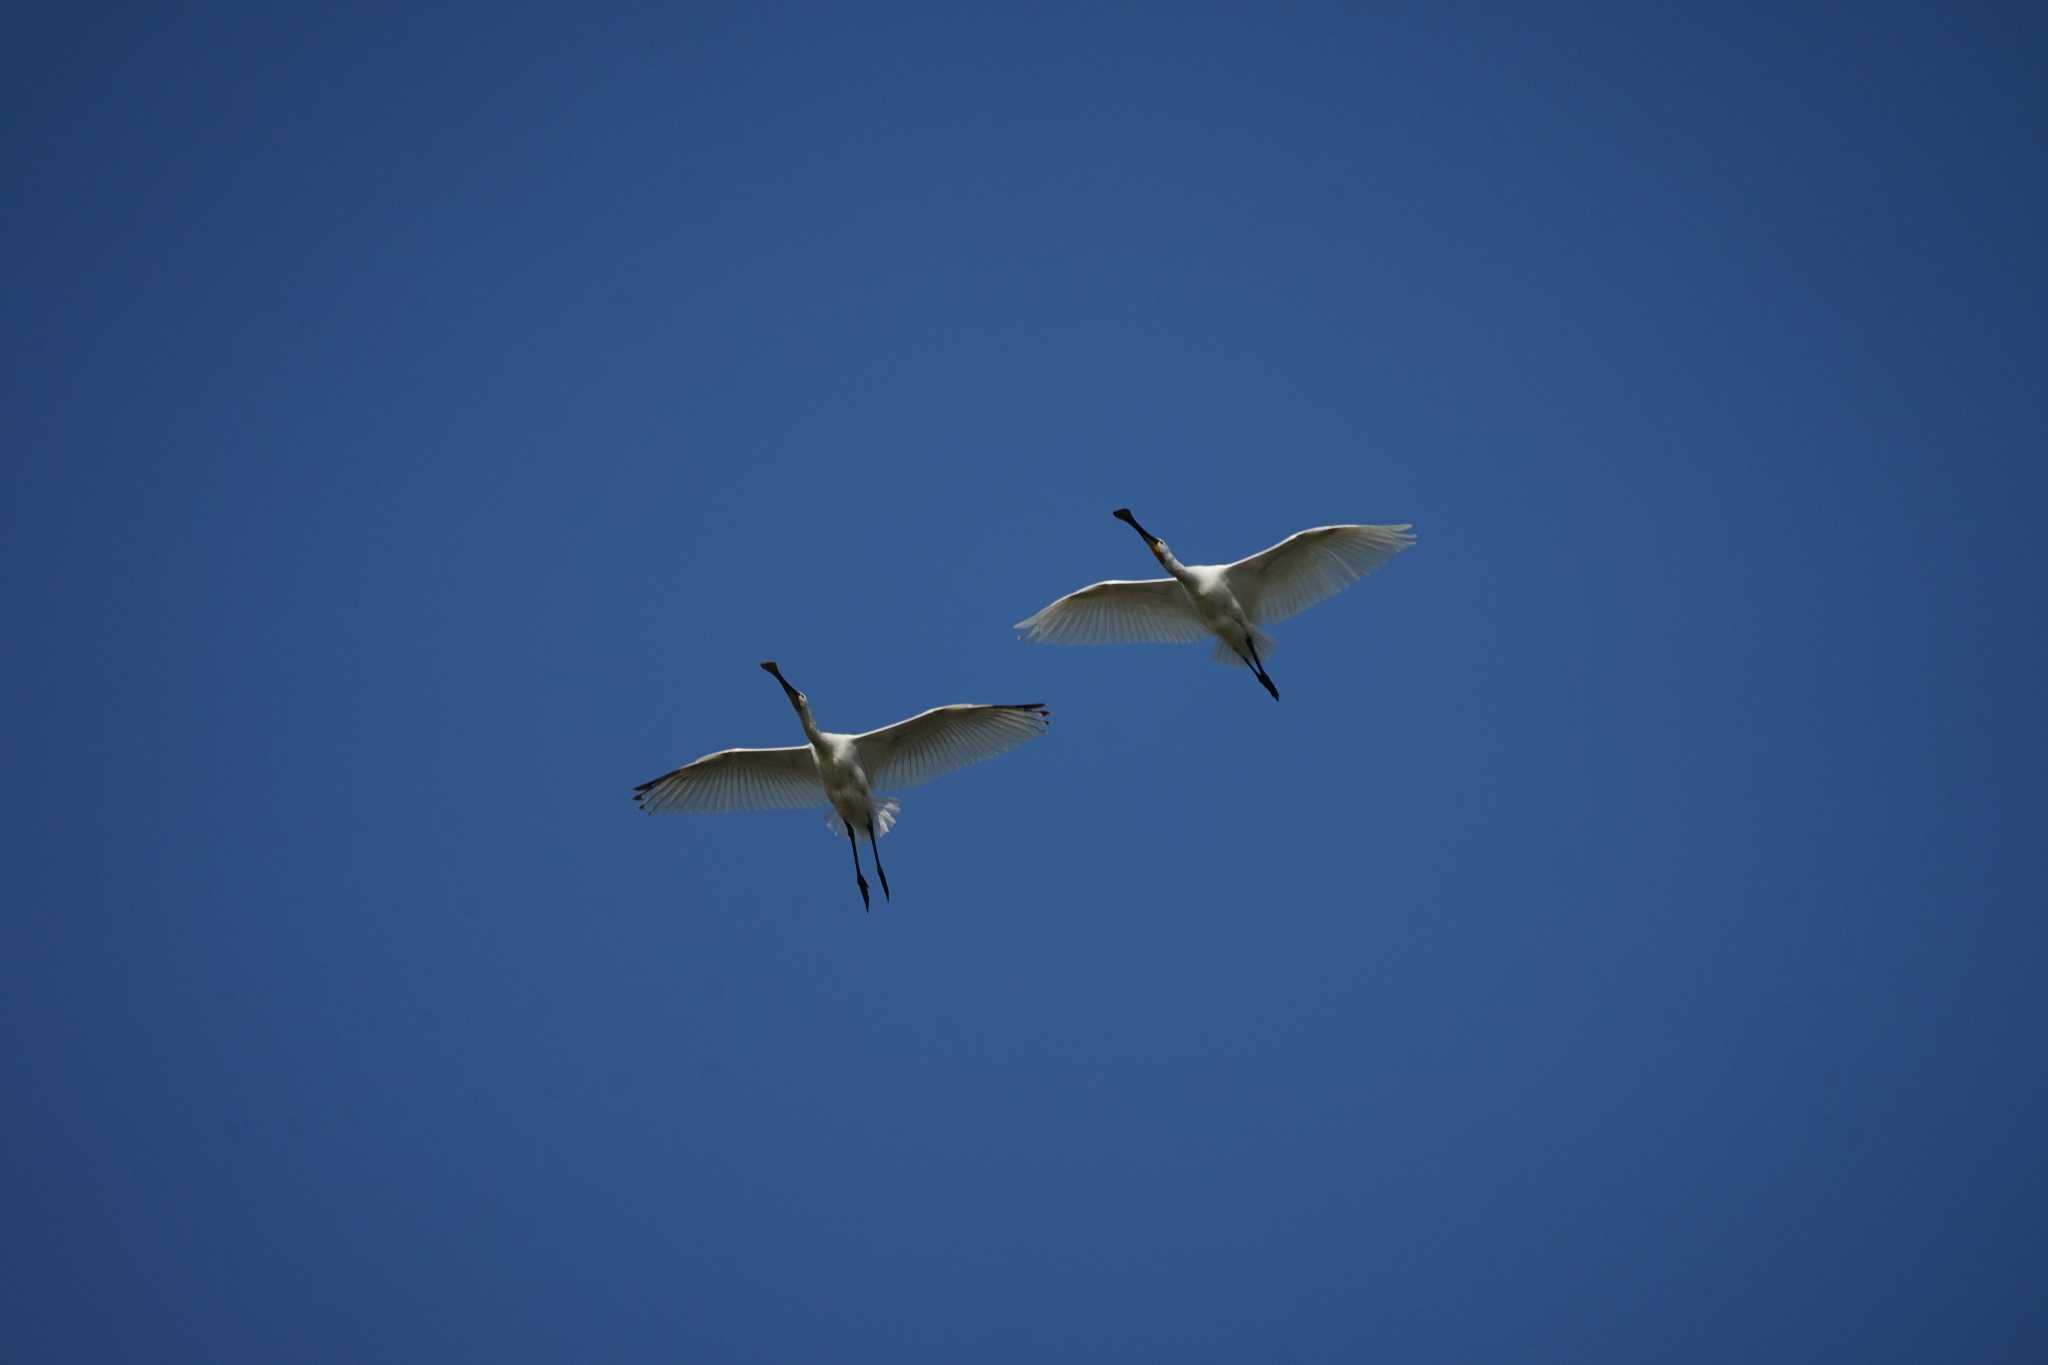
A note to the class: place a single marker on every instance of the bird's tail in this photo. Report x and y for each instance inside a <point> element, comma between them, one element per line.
<point>1224,654</point>
<point>885,818</point>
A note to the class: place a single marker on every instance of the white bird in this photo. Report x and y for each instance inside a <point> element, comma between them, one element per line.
<point>842,770</point>
<point>1229,602</point>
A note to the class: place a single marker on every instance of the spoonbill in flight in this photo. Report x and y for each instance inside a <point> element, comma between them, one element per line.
<point>842,770</point>
<point>1227,601</point>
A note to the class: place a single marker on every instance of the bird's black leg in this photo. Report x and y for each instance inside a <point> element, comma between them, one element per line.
<point>1260,674</point>
<point>854,844</point>
<point>1252,643</point>
<point>876,845</point>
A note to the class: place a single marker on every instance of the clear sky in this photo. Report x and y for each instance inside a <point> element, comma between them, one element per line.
<point>1623,940</point>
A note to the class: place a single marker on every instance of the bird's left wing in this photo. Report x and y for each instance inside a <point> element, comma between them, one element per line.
<point>737,779</point>
<point>1308,566</point>
<point>945,738</point>
<point>1148,611</point>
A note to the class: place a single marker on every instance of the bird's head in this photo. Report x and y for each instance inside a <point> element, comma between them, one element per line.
<point>1152,542</point>
<point>796,698</point>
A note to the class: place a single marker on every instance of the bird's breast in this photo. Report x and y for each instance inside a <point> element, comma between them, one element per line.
<point>1216,604</point>
<point>839,767</point>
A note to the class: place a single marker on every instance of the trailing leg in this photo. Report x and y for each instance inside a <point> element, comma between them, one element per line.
<point>1258,670</point>
<point>876,844</point>
<point>854,844</point>
<point>1251,641</point>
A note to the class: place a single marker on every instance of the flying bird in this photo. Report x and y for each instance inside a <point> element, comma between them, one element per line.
<point>842,771</point>
<point>1227,602</point>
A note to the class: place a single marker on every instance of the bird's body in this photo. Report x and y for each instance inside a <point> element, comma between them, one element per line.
<point>1221,614</point>
<point>841,771</point>
<point>846,783</point>
<point>1228,603</point>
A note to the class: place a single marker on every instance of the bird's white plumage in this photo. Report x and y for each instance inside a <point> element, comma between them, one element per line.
<point>1226,603</point>
<point>1286,579</point>
<point>842,771</point>
<point>911,751</point>
<point>944,739</point>
<point>886,809</point>
<point>737,779</point>
<point>1149,611</point>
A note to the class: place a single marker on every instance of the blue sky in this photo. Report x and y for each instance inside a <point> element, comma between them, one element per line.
<point>1622,941</point>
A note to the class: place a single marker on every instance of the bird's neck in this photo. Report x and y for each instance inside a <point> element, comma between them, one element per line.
<point>803,715</point>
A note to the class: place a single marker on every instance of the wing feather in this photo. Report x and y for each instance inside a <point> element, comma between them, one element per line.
<point>944,739</point>
<point>1119,612</point>
<point>737,779</point>
<point>1308,566</point>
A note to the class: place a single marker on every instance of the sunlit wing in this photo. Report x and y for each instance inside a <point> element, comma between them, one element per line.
<point>1309,566</point>
<point>1154,611</point>
<point>943,739</point>
<point>737,779</point>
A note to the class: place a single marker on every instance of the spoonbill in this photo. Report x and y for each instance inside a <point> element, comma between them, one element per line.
<point>842,770</point>
<point>1227,601</point>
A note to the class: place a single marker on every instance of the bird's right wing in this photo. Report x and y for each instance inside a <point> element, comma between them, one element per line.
<point>945,738</point>
<point>1308,566</point>
<point>1151,611</point>
<point>737,779</point>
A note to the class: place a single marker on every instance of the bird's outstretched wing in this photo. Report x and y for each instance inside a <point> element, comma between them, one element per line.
<point>737,779</point>
<point>1150,611</point>
<point>945,738</point>
<point>1309,566</point>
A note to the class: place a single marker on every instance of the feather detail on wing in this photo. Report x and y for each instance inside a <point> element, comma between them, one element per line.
<point>1309,566</point>
<point>1120,612</point>
<point>945,738</point>
<point>737,779</point>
